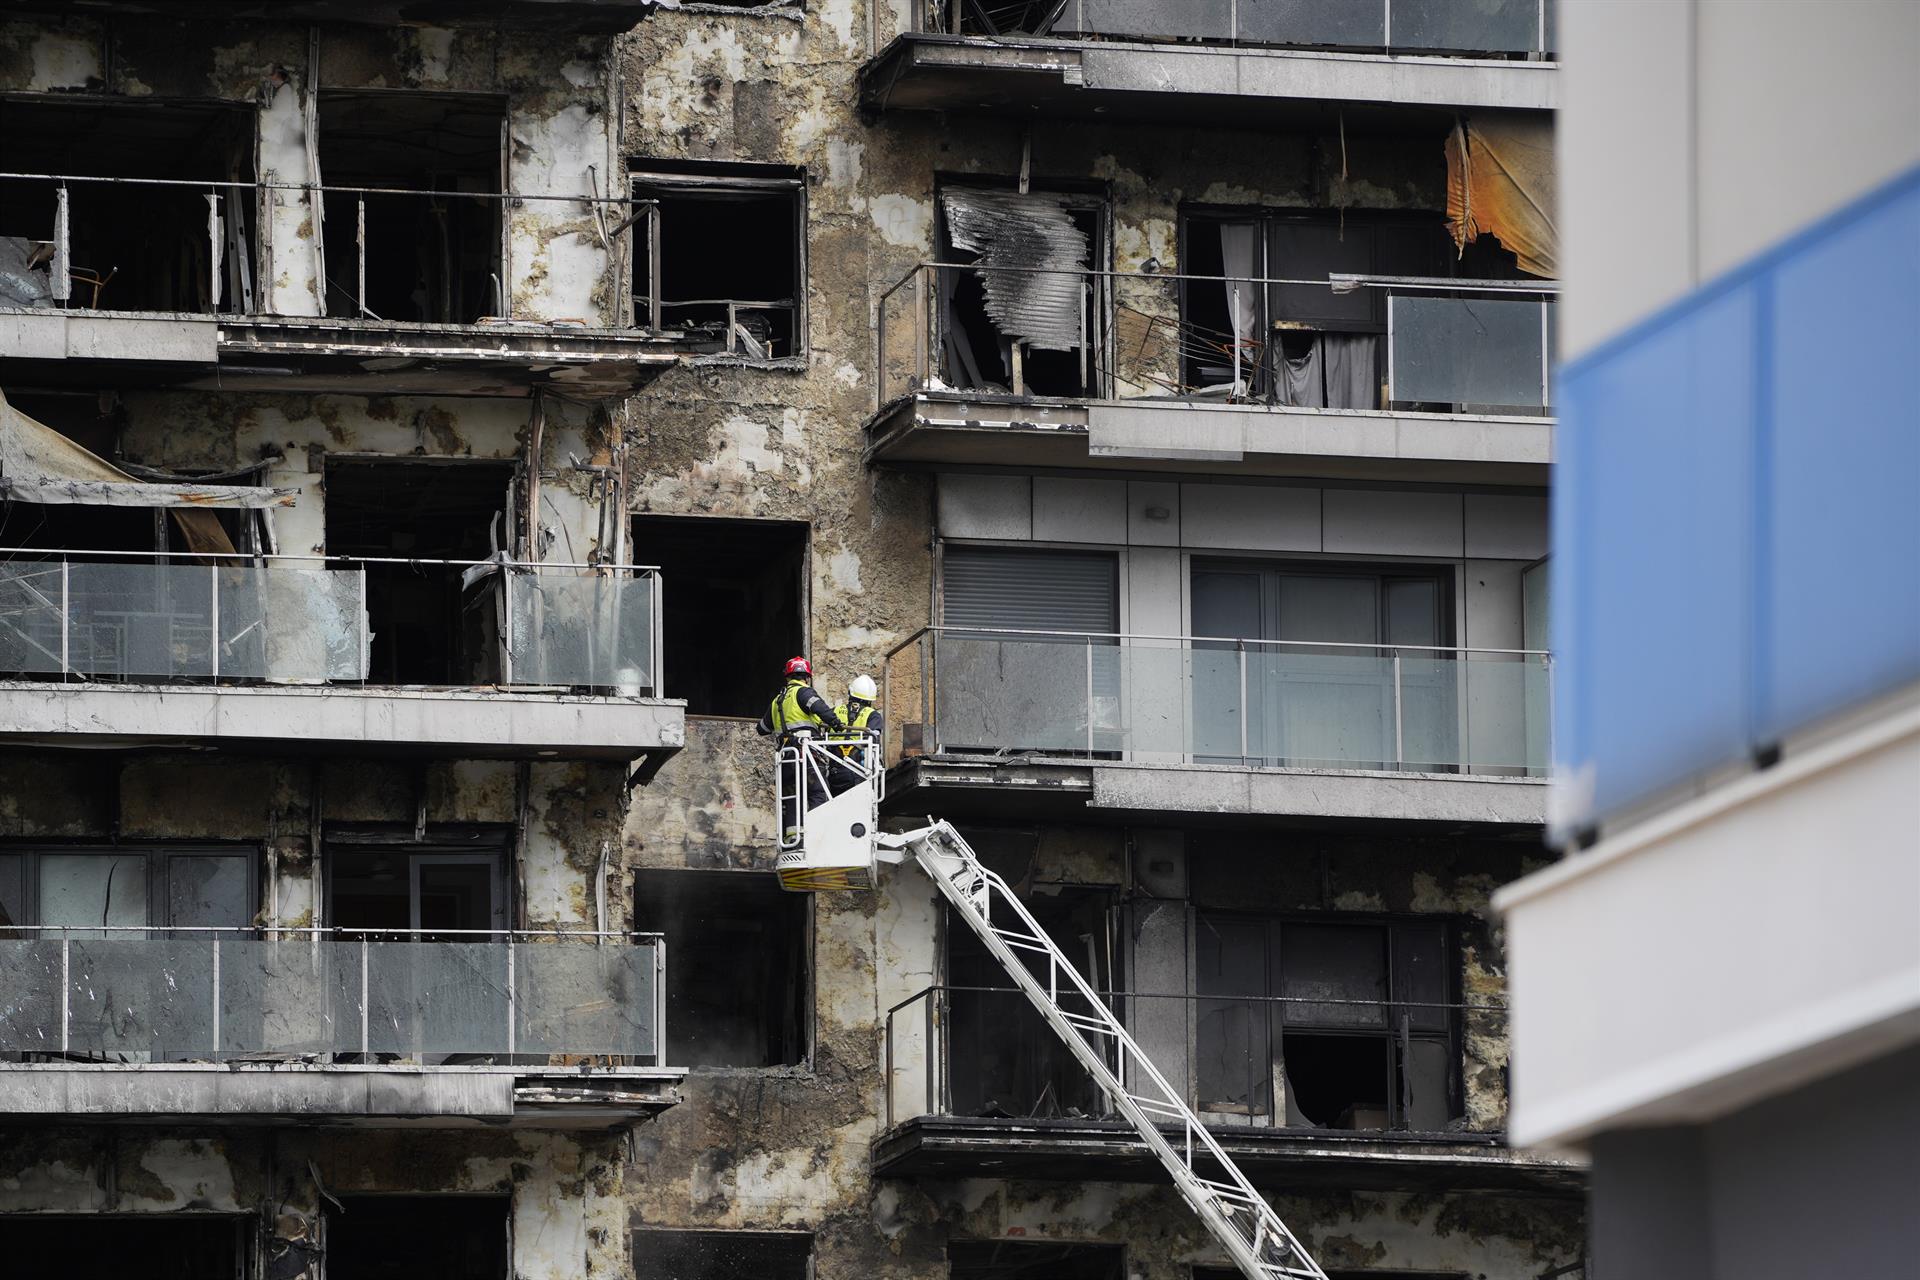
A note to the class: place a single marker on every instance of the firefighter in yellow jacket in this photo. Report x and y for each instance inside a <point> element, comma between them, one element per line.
<point>860,717</point>
<point>798,710</point>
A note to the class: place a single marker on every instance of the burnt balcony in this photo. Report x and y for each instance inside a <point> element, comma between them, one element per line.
<point>1134,728</point>
<point>449,1028</point>
<point>1238,61</point>
<point>278,286</point>
<point>278,652</point>
<point>1300,1092</point>
<point>1343,376</point>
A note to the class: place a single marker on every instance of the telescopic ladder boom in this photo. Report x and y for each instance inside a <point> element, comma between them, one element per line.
<point>1237,1215</point>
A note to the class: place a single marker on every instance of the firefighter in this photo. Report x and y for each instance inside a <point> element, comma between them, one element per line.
<point>797,712</point>
<point>858,715</point>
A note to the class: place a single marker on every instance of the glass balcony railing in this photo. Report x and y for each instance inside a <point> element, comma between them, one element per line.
<point>1196,700</point>
<point>307,620</point>
<point>209,995</point>
<point>1488,27</point>
<point>1349,342</point>
<point>1266,1062</point>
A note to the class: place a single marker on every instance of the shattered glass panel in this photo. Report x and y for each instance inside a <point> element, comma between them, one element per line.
<point>30,617</point>
<point>590,631</point>
<point>576,998</point>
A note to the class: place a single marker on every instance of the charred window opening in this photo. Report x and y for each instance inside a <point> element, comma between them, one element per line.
<point>739,979</point>
<point>1007,1260</point>
<point>722,1255</point>
<point>428,627</point>
<point>156,1246</point>
<point>447,886</point>
<point>1028,317</point>
<point>735,606</point>
<point>431,257</point>
<point>1005,1061</point>
<point>132,247</point>
<point>1347,1025</point>
<point>718,256</point>
<point>417,1237</point>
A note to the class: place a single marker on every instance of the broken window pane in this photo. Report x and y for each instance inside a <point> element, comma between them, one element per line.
<point>735,607</point>
<point>429,257</point>
<point>1010,1260</point>
<point>738,966</point>
<point>1334,962</point>
<point>410,1237</point>
<point>721,1255</point>
<point>717,257</point>
<point>146,252</point>
<point>1026,317</point>
<point>93,889</point>
<point>1233,1050</point>
<point>154,1246</point>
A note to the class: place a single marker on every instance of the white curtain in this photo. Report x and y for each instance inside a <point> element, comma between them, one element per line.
<point>1239,252</point>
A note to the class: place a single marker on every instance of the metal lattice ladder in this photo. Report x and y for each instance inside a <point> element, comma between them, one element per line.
<point>1238,1216</point>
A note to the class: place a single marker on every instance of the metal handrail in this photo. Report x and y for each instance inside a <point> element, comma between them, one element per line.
<point>925,17</point>
<point>345,932</point>
<point>1235,640</point>
<point>7,553</point>
<point>241,184</point>
<point>1121,994</point>
<point>1340,281</point>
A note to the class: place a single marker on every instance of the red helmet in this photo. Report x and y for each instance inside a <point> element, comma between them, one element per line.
<point>799,667</point>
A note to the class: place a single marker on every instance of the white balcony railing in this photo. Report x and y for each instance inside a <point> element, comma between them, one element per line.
<point>195,995</point>
<point>131,618</point>
<point>1195,699</point>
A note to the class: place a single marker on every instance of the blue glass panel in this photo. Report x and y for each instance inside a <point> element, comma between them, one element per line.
<point>1842,594</point>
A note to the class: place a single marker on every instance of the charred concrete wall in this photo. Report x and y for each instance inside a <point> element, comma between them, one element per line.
<point>566,1211</point>
<point>554,89</point>
<point>788,1149</point>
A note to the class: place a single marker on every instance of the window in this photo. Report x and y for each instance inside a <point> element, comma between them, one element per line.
<point>379,881</point>
<point>428,257</point>
<point>127,887</point>
<point>719,256</point>
<point>722,1255</point>
<point>415,1237</point>
<point>739,967</point>
<point>1009,1260</point>
<point>1029,692</point>
<point>128,252</point>
<point>735,599</point>
<point>1004,1060</point>
<point>1325,689</point>
<point>1349,1023</point>
<point>428,627</point>
<point>1035,325</point>
<point>154,1246</point>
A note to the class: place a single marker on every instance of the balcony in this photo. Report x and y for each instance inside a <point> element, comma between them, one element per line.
<point>1208,374</point>
<point>977,1087</point>
<point>1248,62</point>
<point>244,651</point>
<point>1140,728</point>
<point>404,292</point>
<point>335,1027</point>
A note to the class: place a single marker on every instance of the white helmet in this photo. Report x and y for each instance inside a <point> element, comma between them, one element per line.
<point>862,688</point>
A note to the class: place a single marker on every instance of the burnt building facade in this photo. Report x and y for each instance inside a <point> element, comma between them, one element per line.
<point>428,433</point>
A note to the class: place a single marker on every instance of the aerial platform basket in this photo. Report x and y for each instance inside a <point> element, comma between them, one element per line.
<point>829,846</point>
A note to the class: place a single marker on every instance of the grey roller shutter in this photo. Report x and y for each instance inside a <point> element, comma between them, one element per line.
<point>1002,589</point>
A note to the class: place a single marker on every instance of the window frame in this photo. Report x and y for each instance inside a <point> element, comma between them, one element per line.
<point>642,232</point>
<point>1453,1036</point>
<point>460,842</point>
<point>158,855</point>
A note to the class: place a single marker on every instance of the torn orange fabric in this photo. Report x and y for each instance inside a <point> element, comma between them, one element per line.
<point>1500,182</point>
